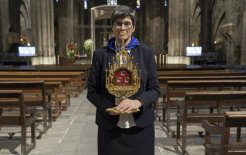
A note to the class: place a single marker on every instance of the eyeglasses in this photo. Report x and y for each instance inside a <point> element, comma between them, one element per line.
<point>118,24</point>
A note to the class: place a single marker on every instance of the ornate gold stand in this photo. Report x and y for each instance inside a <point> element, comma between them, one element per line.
<point>122,77</point>
<point>113,110</point>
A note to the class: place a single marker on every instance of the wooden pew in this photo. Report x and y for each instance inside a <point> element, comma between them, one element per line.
<point>25,117</point>
<point>60,95</point>
<point>84,69</point>
<point>200,73</point>
<point>165,76</point>
<point>71,81</point>
<point>75,77</point>
<point>163,79</point>
<point>225,147</point>
<point>176,90</point>
<point>204,99</point>
<point>34,96</point>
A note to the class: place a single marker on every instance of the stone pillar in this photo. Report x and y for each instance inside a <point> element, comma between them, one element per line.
<point>4,24</point>
<point>43,31</point>
<point>206,25</point>
<point>1,39</point>
<point>81,35</point>
<point>243,32</point>
<point>67,25</point>
<point>153,32</point>
<point>234,23</point>
<point>179,31</point>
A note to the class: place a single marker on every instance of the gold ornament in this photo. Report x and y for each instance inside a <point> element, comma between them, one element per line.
<point>122,77</point>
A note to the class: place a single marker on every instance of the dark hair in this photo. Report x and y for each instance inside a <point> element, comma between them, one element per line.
<point>123,11</point>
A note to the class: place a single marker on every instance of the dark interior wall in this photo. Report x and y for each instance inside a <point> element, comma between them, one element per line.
<point>1,18</point>
<point>206,24</point>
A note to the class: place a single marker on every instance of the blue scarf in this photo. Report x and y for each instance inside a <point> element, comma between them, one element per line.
<point>132,44</point>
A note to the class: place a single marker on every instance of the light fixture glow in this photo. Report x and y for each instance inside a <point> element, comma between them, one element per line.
<point>85,4</point>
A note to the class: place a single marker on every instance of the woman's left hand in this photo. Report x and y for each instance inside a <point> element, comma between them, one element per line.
<point>127,105</point>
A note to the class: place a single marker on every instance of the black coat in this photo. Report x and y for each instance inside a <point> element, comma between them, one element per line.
<point>148,93</point>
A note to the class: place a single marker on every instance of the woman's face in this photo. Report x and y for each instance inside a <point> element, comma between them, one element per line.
<point>123,29</point>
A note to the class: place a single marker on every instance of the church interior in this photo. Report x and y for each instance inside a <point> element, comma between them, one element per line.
<point>46,53</point>
<point>217,27</point>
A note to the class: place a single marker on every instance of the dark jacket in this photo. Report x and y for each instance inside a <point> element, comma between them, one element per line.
<point>148,92</point>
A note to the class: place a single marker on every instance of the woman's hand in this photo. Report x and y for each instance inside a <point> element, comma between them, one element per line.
<point>127,105</point>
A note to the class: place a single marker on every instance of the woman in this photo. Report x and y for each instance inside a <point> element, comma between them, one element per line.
<point>124,134</point>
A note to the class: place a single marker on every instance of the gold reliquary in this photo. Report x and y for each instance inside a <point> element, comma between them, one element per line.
<point>122,77</point>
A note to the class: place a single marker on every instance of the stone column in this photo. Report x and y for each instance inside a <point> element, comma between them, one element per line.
<point>153,32</point>
<point>234,23</point>
<point>243,32</point>
<point>81,28</point>
<point>1,39</point>
<point>206,24</point>
<point>179,31</point>
<point>4,24</point>
<point>66,25</point>
<point>43,31</point>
